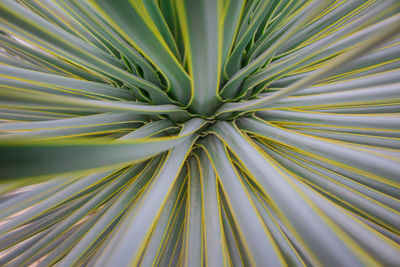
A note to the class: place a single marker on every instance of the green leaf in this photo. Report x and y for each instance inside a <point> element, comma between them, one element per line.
<point>332,67</point>
<point>12,98</point>
<point>128,244</point>
<point>375,121</point>
<point>48,157</point>
<point>193,245</point>
<point>32,27</point>
<point>202,31</point>
<point>146,38</point>
<point>40,58</point>
<point>353,198</point>
<point>384,169</point>
<point>321,49</point>
<point>257,240</point>
<point>288,251</point>
<point>23,78</point>
<point>385,252</point>
<point>230,89</point>
<point>66,193</point>
<point>174,210</point>
<point>233,63</point>
<point>121,204</point>
<point>307,222</point>
<point>83,14</point>
<point>215,254</point>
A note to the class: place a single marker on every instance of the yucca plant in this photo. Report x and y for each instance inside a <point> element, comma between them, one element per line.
<point>200,132</point>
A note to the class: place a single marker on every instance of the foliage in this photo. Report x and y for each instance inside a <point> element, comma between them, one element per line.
<point>188,132</point>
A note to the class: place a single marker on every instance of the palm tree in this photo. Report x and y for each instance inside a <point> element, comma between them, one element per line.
<point>200,132</point>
